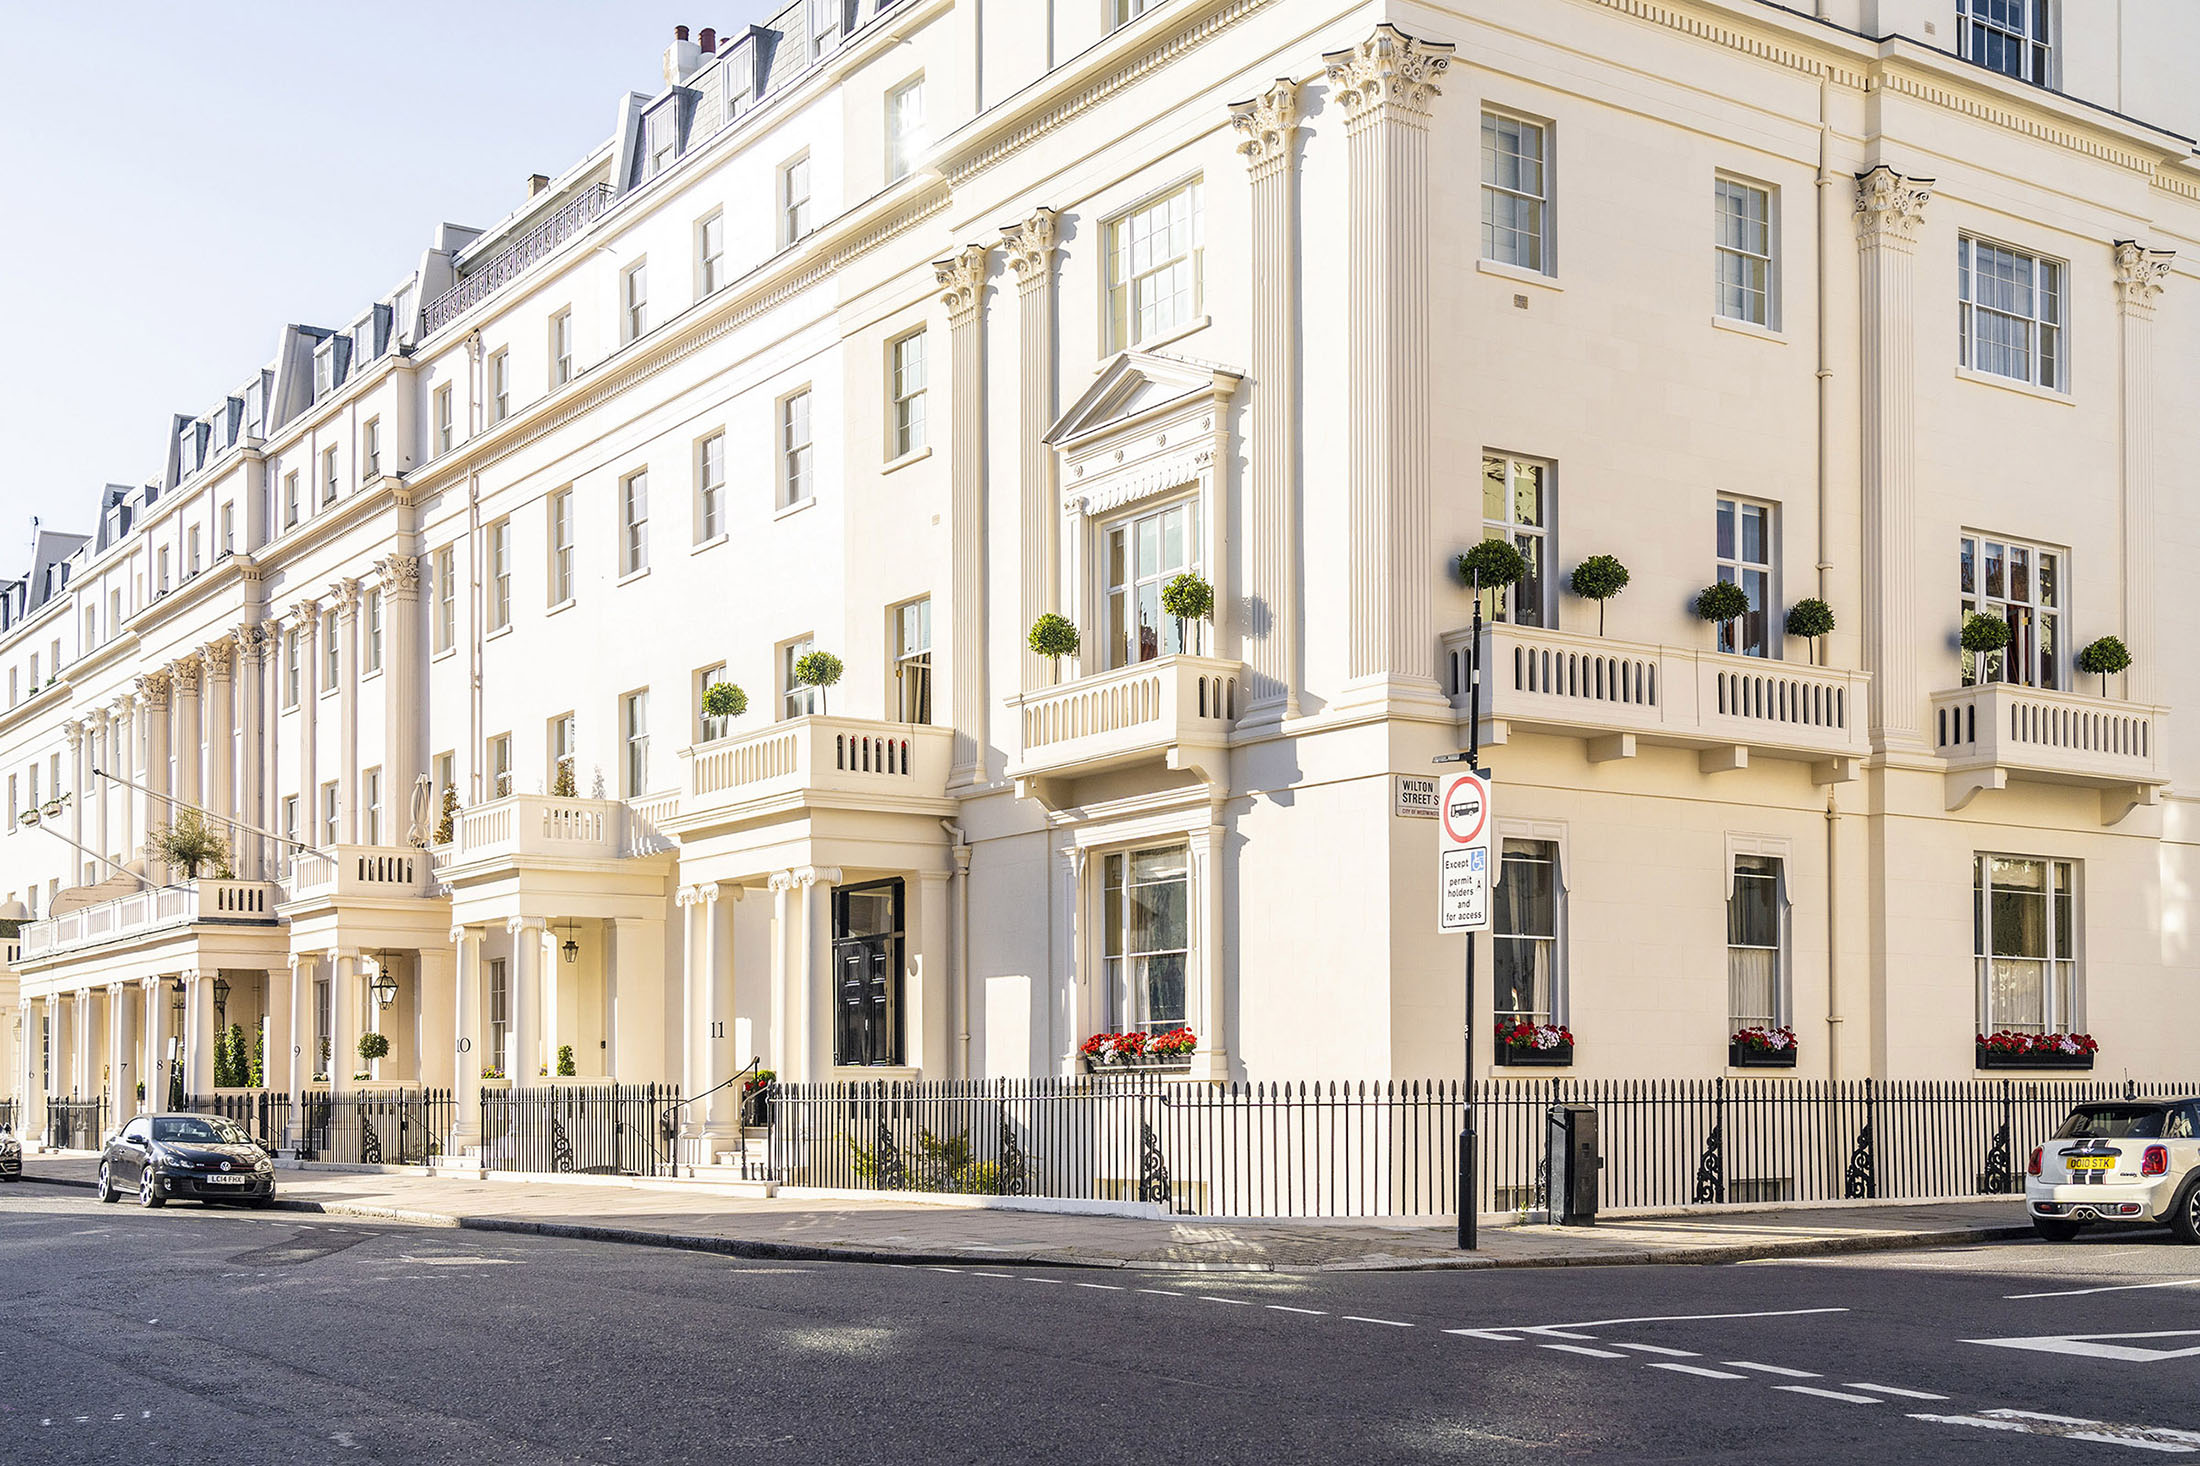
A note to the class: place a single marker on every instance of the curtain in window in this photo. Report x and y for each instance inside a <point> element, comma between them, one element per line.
<point>1524,921</point>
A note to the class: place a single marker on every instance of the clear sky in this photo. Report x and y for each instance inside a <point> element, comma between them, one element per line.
<point>188,178</point>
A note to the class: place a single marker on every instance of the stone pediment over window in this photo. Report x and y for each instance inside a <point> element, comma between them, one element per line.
<point>1148,424</point>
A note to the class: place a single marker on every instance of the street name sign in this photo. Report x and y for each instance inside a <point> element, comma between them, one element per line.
<point>1463,852</point>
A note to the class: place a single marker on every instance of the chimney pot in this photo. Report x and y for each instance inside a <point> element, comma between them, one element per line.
<point>679,33</point>
<point>709,41</point>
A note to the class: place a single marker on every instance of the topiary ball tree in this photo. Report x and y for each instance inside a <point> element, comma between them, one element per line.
<point>1599,578</point>
<point>819,670</point>
<point>1188,598</point>
<point>374,1045</point>
<point>2104,658</point>
<point>724,700</point>
<point>1492,565</point>
<point>1984,635</point>
<point>1811,620</point>
<point>1721,601</point>
<point>1054,636</point>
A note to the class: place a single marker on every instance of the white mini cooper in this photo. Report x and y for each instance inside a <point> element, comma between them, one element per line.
<point>2121,1161</point>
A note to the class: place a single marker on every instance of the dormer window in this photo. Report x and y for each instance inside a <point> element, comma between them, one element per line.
<point>324,370</point>
<point>664,137</point>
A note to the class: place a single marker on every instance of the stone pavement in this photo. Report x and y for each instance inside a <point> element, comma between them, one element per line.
<point>886,1230</point>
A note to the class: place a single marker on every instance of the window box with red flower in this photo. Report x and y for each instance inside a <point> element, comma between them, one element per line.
<point>1149,1053</point>
<point>1534,1044</point>
<point>756,1097</point>
<point>2007,1050</point>
<point>1761,1048</point>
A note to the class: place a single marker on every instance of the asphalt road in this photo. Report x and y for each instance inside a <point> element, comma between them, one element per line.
<point>199,1336</point>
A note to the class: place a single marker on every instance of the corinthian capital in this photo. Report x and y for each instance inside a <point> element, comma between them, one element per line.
<point>1030,245</point>
<point>962,283</point>
<point>184,671</point>
<point>1889,206</point>
<point>1268,123</point>
<point>1388,70</point>
<point>153,690</point>
<point>221,658</point>
<point>2140,272</point>
<point>400,574</point>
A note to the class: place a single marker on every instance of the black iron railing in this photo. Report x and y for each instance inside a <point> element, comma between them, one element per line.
<point>76,1124</point>
<point>262,1114</point>
<point>1388,1148</point>
<point>381,1127</point>
<point>610,1129</point>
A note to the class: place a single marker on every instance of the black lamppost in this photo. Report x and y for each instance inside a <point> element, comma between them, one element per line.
<point>1472,758</point>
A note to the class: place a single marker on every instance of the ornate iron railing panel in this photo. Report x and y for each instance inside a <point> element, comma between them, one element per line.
<point>491,275</point>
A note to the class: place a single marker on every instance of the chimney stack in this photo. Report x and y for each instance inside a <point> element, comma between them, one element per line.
<point>683,58</point>
<point>536,183</point>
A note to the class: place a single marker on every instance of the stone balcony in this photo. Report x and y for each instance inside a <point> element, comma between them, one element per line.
<point>1998,732</point>
<point>783,767</point>
<point>1176,711</point>
<point>157,909</point>
<point>520,828</point>
<point>351,872</point>
<point>1616,695</point>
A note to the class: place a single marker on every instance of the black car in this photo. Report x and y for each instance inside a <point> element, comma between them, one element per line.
<point>11,1155</point>
<point>163,1158</point>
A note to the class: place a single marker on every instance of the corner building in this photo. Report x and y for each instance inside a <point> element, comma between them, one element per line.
<point>887,328</point>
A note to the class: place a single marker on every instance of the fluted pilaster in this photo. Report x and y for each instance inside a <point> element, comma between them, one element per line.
<point>2139,276</point>
<point>1030,250</point>
<point>962,282</point>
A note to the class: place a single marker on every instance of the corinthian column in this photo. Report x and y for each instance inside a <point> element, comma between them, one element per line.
<point>2139,276</point>
<point>1270,126</point>
<point>1385,86</point>
<point>1030,248</point>
<point>346,592</point>
<point>962,291</point>
<point>221,712</point>
<point>253,720</point>
<point>190,746</point>
<point>1889,209</point>
<point>153,694</point>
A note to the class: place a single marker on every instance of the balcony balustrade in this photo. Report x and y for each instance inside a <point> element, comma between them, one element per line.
<point>156,909</point>
<point>348,871</point>
<point>1617,694</point>
<point>522,827</point>
<point>1998,731</point>
<point>1177,709</point>
<point>787,763</point>
<point>486,278</point>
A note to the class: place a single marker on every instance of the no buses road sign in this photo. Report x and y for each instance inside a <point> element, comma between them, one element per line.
<point>1463,848</point>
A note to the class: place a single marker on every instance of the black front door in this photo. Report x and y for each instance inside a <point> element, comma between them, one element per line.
<point>867,943</point>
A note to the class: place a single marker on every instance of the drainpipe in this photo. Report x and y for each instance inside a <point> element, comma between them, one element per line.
<point>1825,369</point>
<point>958,987</point>
<point>1834,1015</point>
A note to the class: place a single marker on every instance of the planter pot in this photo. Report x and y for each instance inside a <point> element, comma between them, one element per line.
<point>1181,1065</point>
<point>1560,1057</point>
<point>756,1107</point>
<point>1740,1056</point>
<point>1992,1059</point>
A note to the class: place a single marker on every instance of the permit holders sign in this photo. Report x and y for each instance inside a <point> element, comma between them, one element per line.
<point>1463,850</point>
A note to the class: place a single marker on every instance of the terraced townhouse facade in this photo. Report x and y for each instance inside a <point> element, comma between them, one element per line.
<point>886,328</point>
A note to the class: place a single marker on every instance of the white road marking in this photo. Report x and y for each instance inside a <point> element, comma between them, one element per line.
<point>2091,1346</point>
<point>1857,1384</point>
<point>1655,1349</point>
<point>1103,1287</point>
<point>943,1269</point>
<point>1491,1334</point>
<point>1550,1333</point>
<point>2118,1288</point>
<point>1390,1323</point>
<point>1043,1280</point>
<point>1312,1312</point>
<point>1582,1349</point>
<point>2140,1437</point>
<point>1157,1292</point>
<point>446,1261</point>
<point>994,1275</point>
<point>1696,1369</point>
<point>1209,1298</point>
<point>1596,1323</point>
<point>1779,1369</point>
<point>1831,1395</point>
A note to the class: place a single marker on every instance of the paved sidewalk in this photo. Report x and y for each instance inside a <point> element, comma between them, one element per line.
<point>891,1231</point>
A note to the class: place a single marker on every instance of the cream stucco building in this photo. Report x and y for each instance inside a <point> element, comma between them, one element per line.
<point>890,327</point>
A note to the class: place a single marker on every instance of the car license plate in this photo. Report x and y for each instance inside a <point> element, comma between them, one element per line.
<point>229,1180</point>
<point>2092,1163</point>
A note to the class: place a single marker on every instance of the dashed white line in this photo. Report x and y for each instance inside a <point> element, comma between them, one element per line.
<point>1388,1323</point>
<point>1831,1395</point>
<point>1043,1280</point>
<point>1656,1349</point>
<point>1562,1334</point>
<point>1162,1292</point>
<point>1311,1312</point>
<point>1210,1298</point>
<point>1010,1276</point>
<point>1493,1335</point>
<point>1777,1369</point>
<point>929,1269</point>
<point>1697,1369</point>
<point>1857,1384</point>
<point>1583,1349</point>
<point>1103,1287</point>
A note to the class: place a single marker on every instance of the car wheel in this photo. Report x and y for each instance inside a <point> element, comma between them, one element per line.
<point>2056,1231</point>
<point>2184,1213</point>
<point>106,1184</point>
<point>148,1195</point>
